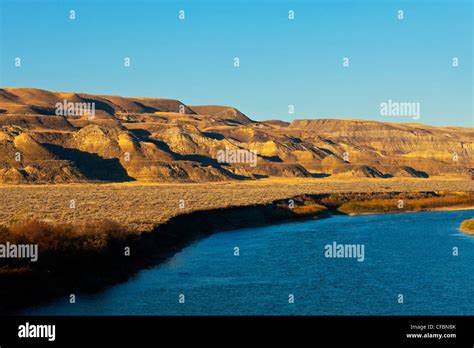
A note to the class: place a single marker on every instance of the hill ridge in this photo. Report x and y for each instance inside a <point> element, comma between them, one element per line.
<point>162,139</point>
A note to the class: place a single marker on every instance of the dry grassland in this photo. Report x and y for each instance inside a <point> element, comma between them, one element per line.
<point>140,206</point>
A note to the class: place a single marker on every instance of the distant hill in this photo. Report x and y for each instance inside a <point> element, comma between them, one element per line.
<point>154,139</point>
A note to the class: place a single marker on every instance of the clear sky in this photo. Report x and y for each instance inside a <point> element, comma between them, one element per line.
<point>282,62</point>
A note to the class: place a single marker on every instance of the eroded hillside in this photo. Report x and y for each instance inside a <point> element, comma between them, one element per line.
<point>151,139</point>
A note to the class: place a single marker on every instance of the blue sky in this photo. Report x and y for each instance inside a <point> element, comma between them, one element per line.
<point>282,61</point>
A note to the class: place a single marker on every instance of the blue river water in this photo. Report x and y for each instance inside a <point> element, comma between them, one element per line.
<point>409,267</point>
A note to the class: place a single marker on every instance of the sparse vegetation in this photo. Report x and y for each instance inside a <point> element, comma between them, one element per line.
<point>310,210</point>
<point>140,206</point>
<point>61,242</point>
<point>468,226</point>
<point>401,205</point>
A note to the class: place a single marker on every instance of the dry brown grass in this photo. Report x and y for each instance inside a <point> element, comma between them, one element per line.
<point>51,237</point>
<point>59,242</point>
<point>468,226</point>
<point>140,206</point>
<point>310,210</point>
<point>391,205</point>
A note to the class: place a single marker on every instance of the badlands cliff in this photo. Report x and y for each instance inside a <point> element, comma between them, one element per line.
<point>162,140</point>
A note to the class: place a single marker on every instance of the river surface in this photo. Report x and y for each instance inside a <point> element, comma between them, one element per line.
<point>283,270</point>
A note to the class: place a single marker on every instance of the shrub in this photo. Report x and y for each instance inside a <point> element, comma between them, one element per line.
<point>309,209</point>
<point>468,226</point>
<point>60,242</point>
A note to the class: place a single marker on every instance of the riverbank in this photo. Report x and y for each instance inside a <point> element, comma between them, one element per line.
<point>407,203</point>
<point>85,258</point>
<point>274,261</point>
<point>89,257</point>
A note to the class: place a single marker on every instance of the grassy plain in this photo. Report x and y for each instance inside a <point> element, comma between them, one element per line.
<point>141,206</point>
